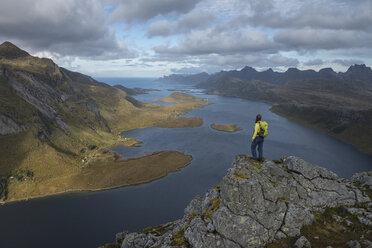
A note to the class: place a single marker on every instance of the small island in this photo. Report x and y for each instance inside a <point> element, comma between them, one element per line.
<point>231,128</point>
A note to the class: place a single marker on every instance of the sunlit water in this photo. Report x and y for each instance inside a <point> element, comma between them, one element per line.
<point>92,219</point>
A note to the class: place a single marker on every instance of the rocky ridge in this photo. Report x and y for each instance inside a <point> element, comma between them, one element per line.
<point>258,203</point>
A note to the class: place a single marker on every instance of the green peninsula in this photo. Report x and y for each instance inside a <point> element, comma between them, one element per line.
<point>57,128</point>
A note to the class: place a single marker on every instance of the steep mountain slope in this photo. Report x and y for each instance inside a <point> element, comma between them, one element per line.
<point>56,127</point>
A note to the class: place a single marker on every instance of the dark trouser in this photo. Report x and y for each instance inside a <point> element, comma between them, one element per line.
<point>258,141</point>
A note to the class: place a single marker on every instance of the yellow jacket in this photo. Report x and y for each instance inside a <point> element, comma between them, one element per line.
<point>256,130</point>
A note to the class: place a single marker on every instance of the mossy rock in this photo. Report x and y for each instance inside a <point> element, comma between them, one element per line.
<point>368,191</point>
<point>278,161</point>
<point>241,175</point>
<point>326,231</point>
<point>157,230</point>
<point>217,187</point>
<point>179,239</point>
<point>214,205</point>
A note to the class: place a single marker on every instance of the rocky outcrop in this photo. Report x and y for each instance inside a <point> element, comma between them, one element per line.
<point>57,94</point>
<point>38,93</point>
<point>363,179</point>
<point>8,126</point>
<point>256,204</point>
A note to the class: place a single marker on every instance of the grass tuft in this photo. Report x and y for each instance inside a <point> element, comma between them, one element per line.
<point>179,239</point>
<point>214,205</point>
<point>325,231</point>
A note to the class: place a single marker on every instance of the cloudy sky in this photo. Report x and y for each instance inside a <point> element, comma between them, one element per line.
<point>151,38</point>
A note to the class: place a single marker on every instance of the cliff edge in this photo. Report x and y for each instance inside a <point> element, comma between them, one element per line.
<point>270,203</point>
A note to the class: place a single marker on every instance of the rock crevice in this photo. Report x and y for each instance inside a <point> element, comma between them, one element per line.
<point>258,203</point>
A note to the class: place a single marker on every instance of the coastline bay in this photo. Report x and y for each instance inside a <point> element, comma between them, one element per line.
<point>90,219</point>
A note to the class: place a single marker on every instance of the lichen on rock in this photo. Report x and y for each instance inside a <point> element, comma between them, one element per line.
<point>271,201</point>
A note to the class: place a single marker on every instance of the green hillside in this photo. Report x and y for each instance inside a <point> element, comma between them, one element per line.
<point>57,127</point>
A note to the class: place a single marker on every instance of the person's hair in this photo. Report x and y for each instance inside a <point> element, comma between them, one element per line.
<point>258,118</point>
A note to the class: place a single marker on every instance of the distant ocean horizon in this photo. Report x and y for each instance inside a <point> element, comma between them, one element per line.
<point>127,81</point>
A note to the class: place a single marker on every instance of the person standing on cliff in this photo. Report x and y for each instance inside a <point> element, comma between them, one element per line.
<point>258,139</point>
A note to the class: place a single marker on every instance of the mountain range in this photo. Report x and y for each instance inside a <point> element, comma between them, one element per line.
<point>186,79</point>
<point>355,72</point>
<point>339,104</point>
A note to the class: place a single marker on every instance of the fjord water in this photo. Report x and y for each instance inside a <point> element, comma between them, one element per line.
<point>92,219</point>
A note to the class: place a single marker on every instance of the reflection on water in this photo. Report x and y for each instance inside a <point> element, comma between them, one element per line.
<point>89,220</point>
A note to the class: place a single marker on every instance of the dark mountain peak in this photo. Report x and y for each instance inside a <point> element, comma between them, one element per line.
<point>203,73</point>
<point>10,51</point>
<point>359,68</point>
<point>292,70</point>
<point>247,74</point>
<point>358,72</point>
<point>8,45</point>
<point>327,73</point>
<point>248,69</point>
<point>327,70</point>
<point>185,78</point>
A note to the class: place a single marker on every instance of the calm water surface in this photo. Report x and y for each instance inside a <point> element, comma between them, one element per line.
<point>90,220</point>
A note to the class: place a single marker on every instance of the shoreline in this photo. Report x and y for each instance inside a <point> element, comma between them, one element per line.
<point>297,120</point>
<point>319,129</point>
<point>81,191</point>
<point>100,158</point>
